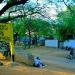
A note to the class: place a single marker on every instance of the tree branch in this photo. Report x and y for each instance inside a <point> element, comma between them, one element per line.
<point>8,5</point>
<point>68,6</point>
<point>6,19</point>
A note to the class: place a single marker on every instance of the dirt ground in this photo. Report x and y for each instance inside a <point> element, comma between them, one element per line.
<point>54,58</point>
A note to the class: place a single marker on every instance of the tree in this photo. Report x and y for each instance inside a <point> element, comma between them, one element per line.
<point>67,30</point>
<point>11,3</point>
<point>36,6</point>
<point>38,27</point>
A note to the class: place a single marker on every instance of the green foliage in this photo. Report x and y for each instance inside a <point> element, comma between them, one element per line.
<point>67,28</point>
<point>10,1</point>
<point>19,27</point>
<point>1,1</point>
<point>38,26</point>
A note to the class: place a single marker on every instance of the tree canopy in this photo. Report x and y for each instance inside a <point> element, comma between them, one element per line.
<point>66,26</point>
<point>35,10</point>
<point>35,7</point>
<point>37,26</point>
<point>11,3</point>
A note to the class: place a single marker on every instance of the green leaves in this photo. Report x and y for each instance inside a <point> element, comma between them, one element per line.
<point>1,1</point>
<point>67,30</point>
<point>38,26</point>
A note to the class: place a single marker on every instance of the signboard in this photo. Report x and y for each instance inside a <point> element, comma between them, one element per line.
<point>6,34</point>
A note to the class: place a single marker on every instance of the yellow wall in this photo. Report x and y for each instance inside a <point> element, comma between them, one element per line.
<point>6,34</point>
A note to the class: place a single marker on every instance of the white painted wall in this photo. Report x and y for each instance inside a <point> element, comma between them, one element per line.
<point>51,43</point>
<point>70,43</point>
<point>54,43</point>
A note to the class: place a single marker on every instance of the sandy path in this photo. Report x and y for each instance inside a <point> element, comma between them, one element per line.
<point>55,59</point>
<point>21,70</point>
<point>52,56</point>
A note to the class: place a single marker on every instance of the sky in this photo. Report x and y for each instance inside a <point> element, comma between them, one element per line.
<point>42,2</point>
<point>51,11</point>
<point>2,5</point>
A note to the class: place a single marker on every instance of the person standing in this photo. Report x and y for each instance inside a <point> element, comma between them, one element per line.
<point>71,53</point>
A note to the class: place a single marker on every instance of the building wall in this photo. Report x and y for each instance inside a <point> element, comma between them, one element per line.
<point>54,43</point>
<point>51,43</point>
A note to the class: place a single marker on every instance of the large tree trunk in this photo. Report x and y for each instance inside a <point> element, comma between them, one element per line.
<point>29,37</point>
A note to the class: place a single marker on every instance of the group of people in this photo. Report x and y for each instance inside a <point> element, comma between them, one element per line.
<point>7,51</point>
<point>6,48</point>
